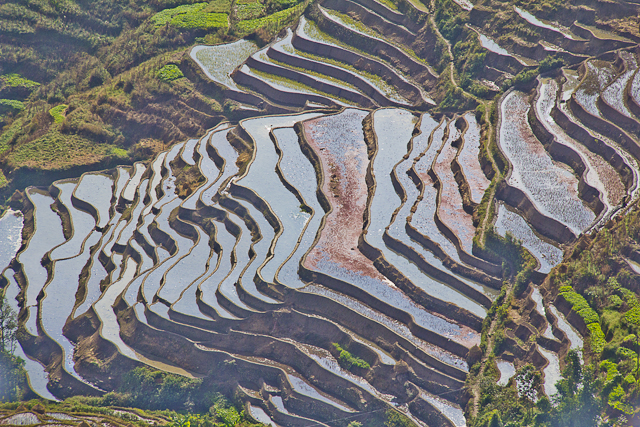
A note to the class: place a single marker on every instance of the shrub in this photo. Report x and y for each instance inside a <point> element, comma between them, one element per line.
<point>565,288</point>
<point>349,361</point>
<point>396,419</point>
<point>630,340</point>
<point>160,390</point>
<point>576,300</point>
<point>550,63</point>
<point>12,377</point>
<point>598,340</point>
<point>629,297</point>
<point>625,353</point>
<point>229,416</point>
<point>614,302</point>
<point>611,368</point>
<point>119,152</point>
<point>589,316</point>
<point>524,77</point>
<point>632,317</point>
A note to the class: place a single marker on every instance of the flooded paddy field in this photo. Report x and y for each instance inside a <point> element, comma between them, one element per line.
<point>350,221</point>
<point>552,187</point>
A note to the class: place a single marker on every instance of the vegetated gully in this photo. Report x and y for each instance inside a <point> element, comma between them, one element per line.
<point>362,282</point>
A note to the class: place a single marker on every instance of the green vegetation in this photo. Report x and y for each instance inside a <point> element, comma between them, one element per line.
<point>580,305</point>
<point>169,73</point>
<point>191,16</point>
<point>7,137</point>
<point>10,106</point>
<point>101,59</point>
<point>389,3</point>
<point>270,23</point>
<point>576,403</point>
<point>56,151</point>
<point>15,80</point>
<point>597,283</point>
<point>349,361</point>
<point>396,419</point>
<point>163,393</point>
<point>58,113</point>
<point>249,9</point>
<point>452,97</point>
<point>220,414</point>
<point>526,76</point>
<point>12,374</point>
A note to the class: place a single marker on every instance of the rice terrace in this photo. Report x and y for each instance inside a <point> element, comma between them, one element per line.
<point>305,213</point>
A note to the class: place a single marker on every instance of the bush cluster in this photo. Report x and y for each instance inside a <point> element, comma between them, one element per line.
<point>349,361</point>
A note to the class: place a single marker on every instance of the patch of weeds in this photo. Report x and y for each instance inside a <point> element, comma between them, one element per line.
<point>390,4</point>
<point>191,16</point>
<point>57,112</point>
<point>7,137</point>
<point>218,6</point>
<point>271,22</point>
<point>348,360</point>
<point>56,151</point>
<point>249,10</point>
<point>119,152</point>
<point>306,209</point>
<point>169,73</point>
<point>11,106</point>
<point>16,80</point>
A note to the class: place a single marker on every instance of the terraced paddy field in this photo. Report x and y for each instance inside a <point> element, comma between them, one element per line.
<point>335,261</point>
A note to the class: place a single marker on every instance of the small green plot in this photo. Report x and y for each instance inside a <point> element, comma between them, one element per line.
<point>169,72</point>
<point>57,112</point>
<point>276,19</point>
<point>10,106</point>
<point>191,17</point>
<point>249,10</point>
<point>16,80</point>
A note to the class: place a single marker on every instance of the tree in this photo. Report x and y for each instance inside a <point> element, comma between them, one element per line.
<point>528,381</point>
<point>8,326</point>
<point>12,374</point>
<point>495,420</point>
<point>577,403</point>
